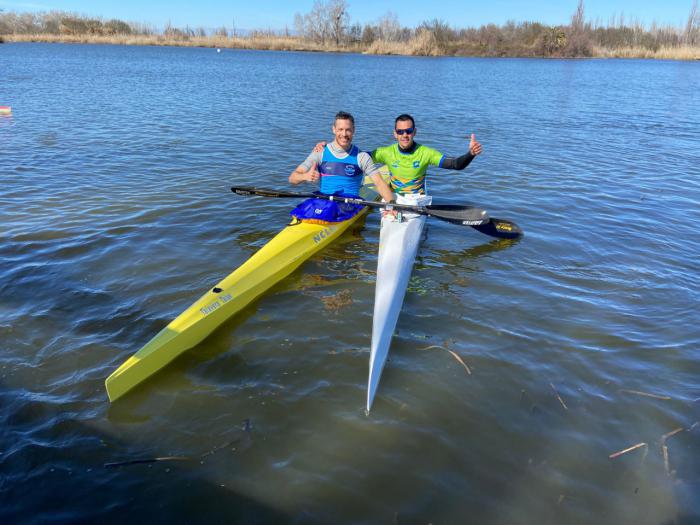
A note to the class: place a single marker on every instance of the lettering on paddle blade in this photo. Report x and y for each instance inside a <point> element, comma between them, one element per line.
<point>472,223</point>
<point>503,226</point>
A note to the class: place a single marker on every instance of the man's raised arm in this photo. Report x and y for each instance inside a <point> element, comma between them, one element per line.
<point>459,163</point>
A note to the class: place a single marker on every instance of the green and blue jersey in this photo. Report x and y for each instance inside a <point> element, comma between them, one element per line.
<point>407,169</point>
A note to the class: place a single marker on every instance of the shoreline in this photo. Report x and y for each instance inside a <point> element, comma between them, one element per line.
<point>273,43</point>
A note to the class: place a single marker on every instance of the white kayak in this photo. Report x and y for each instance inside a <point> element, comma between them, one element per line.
<point>398,246</point>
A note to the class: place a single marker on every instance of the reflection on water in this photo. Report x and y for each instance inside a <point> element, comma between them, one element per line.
<point>518,367</point>
<point>456,260</point>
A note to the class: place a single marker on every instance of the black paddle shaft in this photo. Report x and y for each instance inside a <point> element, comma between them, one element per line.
<point>477,218</point>
<point>453,213</point>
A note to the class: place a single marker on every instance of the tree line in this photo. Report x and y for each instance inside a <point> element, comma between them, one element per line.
<point>329,25</point>
<point>329,21</point>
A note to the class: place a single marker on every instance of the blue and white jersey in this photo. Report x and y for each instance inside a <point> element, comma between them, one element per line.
<point>341,170</point>
<point>340,175</point>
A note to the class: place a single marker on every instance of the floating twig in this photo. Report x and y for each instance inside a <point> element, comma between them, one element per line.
<point>559,397</point>
<point>454,354</point>
<point>667,466</point>
<point>646,453</point>
<point>646,394</point>
<point>246,426</point>
<point>672,433</point>
<point>220,447</point>
<point>434,346</point>
<point>469,372</point>
<point>630,449</point>
<point>146,460</point>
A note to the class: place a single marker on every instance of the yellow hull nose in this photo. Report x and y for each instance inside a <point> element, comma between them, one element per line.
<point>272,263</point>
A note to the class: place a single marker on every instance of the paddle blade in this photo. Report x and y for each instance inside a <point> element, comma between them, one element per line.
<point>458,214</point>
<point>260,192</point>
<point>501,228</point>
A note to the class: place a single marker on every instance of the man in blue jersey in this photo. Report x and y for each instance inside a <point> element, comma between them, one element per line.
<point>339,167</point>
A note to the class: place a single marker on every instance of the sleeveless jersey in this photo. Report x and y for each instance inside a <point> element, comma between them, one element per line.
<point>340,175</point>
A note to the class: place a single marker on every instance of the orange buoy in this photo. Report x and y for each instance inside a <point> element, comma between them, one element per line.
<point>5,110</point>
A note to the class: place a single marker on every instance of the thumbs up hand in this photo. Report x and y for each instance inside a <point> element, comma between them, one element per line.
<point>474,146</point>
<point>312,175</point>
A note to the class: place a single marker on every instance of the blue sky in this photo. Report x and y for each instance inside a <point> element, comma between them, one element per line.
<point>276,14</point>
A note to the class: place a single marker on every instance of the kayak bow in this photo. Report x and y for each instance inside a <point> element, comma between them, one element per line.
<point>398,246</point>
<point>272,263</point>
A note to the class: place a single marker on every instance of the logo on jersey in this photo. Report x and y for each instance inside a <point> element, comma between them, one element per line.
<point>349,170</point>
<point>416,164</point>
<point>395,164</point>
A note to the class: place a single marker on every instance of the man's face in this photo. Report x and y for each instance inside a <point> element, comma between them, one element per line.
<point>343,131</point>
<point>404,131</point>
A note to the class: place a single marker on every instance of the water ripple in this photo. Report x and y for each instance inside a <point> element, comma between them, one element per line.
<point>116,214</point>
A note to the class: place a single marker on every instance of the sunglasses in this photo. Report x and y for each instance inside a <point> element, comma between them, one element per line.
<point>407,131</point>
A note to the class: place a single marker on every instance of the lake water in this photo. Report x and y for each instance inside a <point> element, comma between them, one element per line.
<point>582,338</point>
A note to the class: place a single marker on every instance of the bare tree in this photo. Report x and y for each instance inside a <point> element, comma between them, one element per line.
<point>337,12</point>
<point>578,18</point>
<point>578,42</point>
<point>316,26</point>
<point>327,20</point>
<point>389,27</point>
<point>299,25</point>
<point>692,28</point>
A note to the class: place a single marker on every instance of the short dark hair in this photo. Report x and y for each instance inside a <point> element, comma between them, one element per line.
<point>342,115</point>
<point>404,117</point>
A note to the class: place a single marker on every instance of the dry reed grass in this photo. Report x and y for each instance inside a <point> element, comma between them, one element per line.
<point>423,43</point>
<point>663,53</point>
<point>277,43</point>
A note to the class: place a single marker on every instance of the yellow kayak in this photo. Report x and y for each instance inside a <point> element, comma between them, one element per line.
<point>272,263</point>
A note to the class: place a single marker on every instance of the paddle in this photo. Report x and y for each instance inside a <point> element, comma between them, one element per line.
<point>501,228</point>
<point>453,213</point>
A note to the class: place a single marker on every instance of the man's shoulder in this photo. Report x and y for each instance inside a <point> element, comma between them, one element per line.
<point>385,151</point>
<point>341,153</point>
<point>316,154</point>
<point>424,149</point>
<point>427,151</point>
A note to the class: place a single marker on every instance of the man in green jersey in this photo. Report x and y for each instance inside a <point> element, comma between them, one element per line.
<point>408,161</point>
